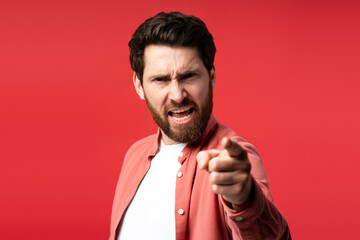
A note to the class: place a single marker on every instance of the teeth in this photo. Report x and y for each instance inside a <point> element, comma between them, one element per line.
<point>182,118</point>
<point>181,110</point>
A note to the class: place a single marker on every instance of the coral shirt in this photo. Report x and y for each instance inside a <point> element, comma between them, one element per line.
<point>199,212</point>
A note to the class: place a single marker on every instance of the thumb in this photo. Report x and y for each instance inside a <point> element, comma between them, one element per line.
<point>203,157</point>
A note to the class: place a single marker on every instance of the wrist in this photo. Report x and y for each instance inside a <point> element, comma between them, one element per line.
<point>248,198</point>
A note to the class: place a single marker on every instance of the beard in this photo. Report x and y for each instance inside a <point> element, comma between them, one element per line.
<point>190,132</point>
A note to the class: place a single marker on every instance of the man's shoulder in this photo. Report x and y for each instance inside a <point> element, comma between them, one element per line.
<point>143,145</point>
<point>139,152</point>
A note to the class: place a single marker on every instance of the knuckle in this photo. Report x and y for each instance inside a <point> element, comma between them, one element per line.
<point>237,177</point>
<point>243,177</point>
<point>244,166</point>
<point>215,188</point>
<point>213,177</point>
<point>212,165</point>
<point>218,164</point>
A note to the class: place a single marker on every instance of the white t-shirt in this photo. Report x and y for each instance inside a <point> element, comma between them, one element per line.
<point>151,214</point>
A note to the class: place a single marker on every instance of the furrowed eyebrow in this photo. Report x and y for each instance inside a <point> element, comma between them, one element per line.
<point>179,75</point>
<point>187,72</point>
<point>163,76</point>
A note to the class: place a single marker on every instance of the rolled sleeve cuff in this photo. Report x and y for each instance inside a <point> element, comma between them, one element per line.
<point>247,217</point>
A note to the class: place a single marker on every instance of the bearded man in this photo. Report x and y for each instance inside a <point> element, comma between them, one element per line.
<point>194,178</point>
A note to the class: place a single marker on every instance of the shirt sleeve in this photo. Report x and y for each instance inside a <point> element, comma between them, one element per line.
<point>261,220</point>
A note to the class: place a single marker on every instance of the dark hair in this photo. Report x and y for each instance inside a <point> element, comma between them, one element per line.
<point>173,29</point>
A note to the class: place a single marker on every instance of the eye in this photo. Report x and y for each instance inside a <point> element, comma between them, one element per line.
<point>159,79</point>
<point>189,75</point>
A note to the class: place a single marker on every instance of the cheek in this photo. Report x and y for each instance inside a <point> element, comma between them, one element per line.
<point>159,101</point>
<point>201,93</point>
<point>154,95</point>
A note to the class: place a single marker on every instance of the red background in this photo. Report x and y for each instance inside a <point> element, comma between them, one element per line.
<point>287,81</point>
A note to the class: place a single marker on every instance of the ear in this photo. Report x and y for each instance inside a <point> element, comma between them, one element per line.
<point>138,87</point>
<point>213,77</point>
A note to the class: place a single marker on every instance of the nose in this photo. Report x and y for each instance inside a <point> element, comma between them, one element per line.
<point>176,91</point>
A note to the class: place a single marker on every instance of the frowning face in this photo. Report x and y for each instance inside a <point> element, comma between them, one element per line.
<point>177,89</point>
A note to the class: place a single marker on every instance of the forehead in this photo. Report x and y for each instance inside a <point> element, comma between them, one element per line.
<point>165,58</point>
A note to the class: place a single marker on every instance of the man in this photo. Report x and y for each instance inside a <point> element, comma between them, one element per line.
<point>195,178</point>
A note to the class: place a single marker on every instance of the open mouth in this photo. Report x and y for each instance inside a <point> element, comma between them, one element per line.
<point>181,115</point>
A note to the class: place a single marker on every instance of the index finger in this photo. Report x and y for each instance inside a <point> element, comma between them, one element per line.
<point>233,148</point>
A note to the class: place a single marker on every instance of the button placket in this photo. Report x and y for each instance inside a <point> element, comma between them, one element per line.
<point>180,175</point>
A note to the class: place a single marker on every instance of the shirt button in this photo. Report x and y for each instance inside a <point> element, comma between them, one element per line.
<point>180,211</point>
<point>239,218</point>
<point>180,174</point>
<point>181,154</point>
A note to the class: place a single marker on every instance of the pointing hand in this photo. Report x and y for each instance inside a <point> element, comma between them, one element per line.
<point>229,171</point>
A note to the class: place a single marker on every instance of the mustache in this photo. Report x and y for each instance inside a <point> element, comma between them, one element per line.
<point>184,102</point>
